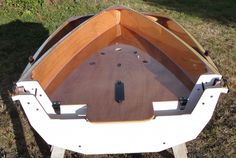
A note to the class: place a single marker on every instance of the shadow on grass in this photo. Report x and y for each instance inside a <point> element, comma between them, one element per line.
<point>221,11</point>
<point>18,40</point>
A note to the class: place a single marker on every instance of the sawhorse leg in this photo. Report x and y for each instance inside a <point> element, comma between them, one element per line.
<point>180,151</point>
<point>57,152</point>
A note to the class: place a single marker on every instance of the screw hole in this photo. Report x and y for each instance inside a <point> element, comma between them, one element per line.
<point>79,146</point>
<point>103,53</point>
<point>119,65</point>
<point>135,52</point>
<point>203,103</point>
<point>164,142</point>
<point>40,95</point>
<point>145,61</point>
<point>211,96</point>
<point>37,109</point>
<point>92,63</point>
<point>28,102</point>
<point>118,49</point>
<point>198,89</point>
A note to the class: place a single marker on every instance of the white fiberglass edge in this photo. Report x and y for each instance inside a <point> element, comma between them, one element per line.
<point>79,135</point>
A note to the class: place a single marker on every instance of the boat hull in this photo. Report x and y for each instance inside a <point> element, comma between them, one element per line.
<point>119,82</point>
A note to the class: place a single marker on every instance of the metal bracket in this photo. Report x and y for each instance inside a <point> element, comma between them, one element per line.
<point>56,106</point>
<point>182,102</point>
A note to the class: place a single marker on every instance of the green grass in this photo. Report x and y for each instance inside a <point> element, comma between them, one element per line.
<point>24,25</point>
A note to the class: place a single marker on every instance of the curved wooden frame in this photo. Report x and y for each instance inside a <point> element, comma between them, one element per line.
<point>165,21</point>
<point>114,15</point>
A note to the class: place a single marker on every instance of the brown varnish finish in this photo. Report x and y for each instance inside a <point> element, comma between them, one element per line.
<point>153,63</point>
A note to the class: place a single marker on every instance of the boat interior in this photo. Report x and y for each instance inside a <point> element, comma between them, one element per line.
<point>118,63</point>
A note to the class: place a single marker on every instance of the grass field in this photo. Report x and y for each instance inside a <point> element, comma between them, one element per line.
<point>25,24</point>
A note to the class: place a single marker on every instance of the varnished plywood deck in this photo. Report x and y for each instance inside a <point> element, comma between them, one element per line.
<point>145,80</point>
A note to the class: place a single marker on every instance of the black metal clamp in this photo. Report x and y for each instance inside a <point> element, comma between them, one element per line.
<point>56,106</point>
<point>182,102</point>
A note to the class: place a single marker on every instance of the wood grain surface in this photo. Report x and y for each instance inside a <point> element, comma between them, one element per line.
<point>153,63</point>
<point>145,80</point>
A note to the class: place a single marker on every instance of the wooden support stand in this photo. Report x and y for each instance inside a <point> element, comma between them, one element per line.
<point>57,152</point>
<point>180,151</point>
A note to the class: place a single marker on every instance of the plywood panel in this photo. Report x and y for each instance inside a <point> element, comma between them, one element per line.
<point>49,67</point>
<point>153,64</point>
<point>184,57</point>
<point>145,80</point>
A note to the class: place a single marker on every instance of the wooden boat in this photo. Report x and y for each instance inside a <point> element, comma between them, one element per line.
<point>116,77</point>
